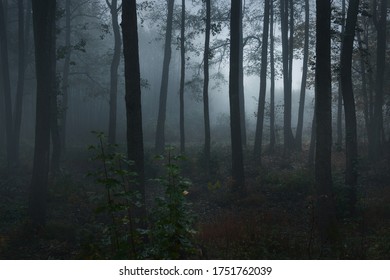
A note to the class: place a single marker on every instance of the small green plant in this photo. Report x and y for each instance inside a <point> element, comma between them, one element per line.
<point>118,227</point>
<point>171,232</point>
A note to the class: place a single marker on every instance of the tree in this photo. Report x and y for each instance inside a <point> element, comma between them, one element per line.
<point>135,146</point>
<point>349,104</point>
<point>272,76</point>
<point>65,75</point>
<point>6,87</point>
<point>182,75</point>
<point>263,84</point>
<point>241,81</point>
<point>286,53</point>
<point>114,70</point>
<point>298,137</point>
<point>43,24</point>
<point>323,94</point>
<point>206,56</point>
<point>235,125</point>
<point>160,130</point>
<point>380,25</point>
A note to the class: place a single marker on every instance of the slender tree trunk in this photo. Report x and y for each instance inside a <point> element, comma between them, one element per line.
<point>114,72</point>
<point>287,132</point>
<point>272,88</point>
<point>235,124</point>
<point>182,75</point>
<point>241,83</point>
<point>135,146</point>
<point>349,104</point>
<point>207,141</point>
<point>263,85</point>
<point>43,24</point>
<point>6,87</point>
<point>65,77</point>
<point>298,137</point>
<point>379,84</point>
<point>323,94</point>
<point>339,141</point>
<point>312,148</point>
<point>24,24</point>
<point>160,131</point>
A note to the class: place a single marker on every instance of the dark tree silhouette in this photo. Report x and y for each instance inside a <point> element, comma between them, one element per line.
<point>43,24</point>
<point>135,146</point>
<point>349,104</point>
<point>182,75</point>
<point>263,85</point>
<point>235,124</point>
<point>323,94</point>
<point>206,55</point>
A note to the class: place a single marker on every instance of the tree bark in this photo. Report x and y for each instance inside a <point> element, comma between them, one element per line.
<point>263,85</point>
<point>241,83</point>
<point>43,25</point>
<point>160,130</point>
<point>238,184</point>
<point>323,94</point>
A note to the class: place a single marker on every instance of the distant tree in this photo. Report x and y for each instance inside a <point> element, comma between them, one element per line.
<point>340,95</point>
<point>114,9</point>
<point>206,57</point>
<point>43,24</point>
<point>6,87</point>
<point>135,146</point>
<point>263,84</point>
<point>65,75</point>
<point>327,223</point>
<point>24,25</point>
<point>286,53</point>
<point>272,78</point>
<point>235,124</point>
<point>380,24</point>
<point>182,74</point>
<point>298,137</point>
<point>160,130</point>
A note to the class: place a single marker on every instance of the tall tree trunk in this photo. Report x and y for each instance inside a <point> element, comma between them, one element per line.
<point>298,137</point>
<point>349,104</point>
<point>135,146</point>
<point>263,85</point>
<point>65,77</point>
<point>339,140</point>
<point>182,75</point>
<point>323,94</point>
<point>207,140</point>
<point>234,100</point>
<point>272,88</point>
<point>241,83</point>
<point>379,84</point>
<point>43,24</point>
<point>312,148</point>
<point>287,132</point>
<point>160,131</point>
<point>6,87</point>
<point>23,38</point>
<point>114,71</point>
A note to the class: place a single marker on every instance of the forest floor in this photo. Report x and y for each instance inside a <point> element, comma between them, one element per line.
<point>276,219</point>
